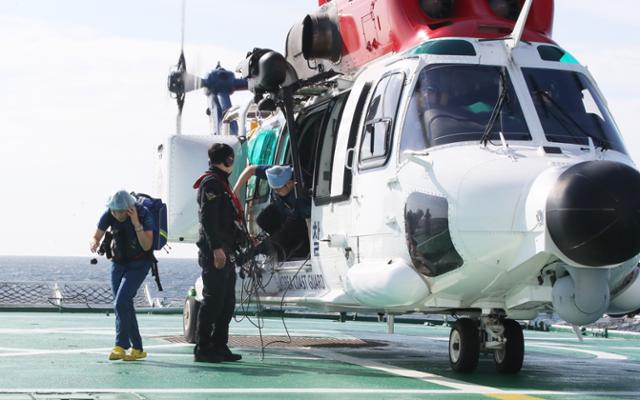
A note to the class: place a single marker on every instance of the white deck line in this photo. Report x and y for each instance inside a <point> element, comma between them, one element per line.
<point>598,354</point>
<point>14,352</point>
<point>85,331</point>
<point>407,373</point>
<point>309,391</point>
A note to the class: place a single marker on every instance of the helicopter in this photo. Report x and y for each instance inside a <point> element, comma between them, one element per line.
<point>458,161</point>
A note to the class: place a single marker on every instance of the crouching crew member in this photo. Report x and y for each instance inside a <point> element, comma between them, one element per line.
<point>131,226</point>
<point>286,219</point>
<point>221,227</point>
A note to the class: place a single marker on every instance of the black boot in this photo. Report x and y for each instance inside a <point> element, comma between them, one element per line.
<point>205,354</point>
<point>226,354</point>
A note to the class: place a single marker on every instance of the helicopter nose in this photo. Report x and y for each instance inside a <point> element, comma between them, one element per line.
<point>593,213</point>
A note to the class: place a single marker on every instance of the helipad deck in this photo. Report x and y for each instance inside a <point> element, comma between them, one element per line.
<point>64,356</point>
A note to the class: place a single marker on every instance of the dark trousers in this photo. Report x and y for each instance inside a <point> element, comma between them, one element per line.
<point>288,235</point>
<point>126,278</point>
<point>218,305</point>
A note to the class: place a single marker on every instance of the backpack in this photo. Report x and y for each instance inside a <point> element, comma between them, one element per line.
<point>158,211</point>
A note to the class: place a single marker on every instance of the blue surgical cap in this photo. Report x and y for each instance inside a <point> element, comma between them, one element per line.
<point>279,175</point>
<point>121,200</point>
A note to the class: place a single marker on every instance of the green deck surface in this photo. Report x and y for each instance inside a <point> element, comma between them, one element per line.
<point>64,356</point>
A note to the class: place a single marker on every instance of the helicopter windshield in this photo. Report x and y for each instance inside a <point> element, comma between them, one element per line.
<point>570,110</point>
<point>453,103</point>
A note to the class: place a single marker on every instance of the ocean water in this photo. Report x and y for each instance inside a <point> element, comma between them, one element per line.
<point>176,274</point>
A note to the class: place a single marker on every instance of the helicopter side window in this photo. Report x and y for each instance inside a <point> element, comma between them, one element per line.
<point>428,237</point>
<point>261,150</point>
<point>310,128</point>
<point>378,127</point>
<point>283,148</point>
<point>309,125</point>
<point>325,150</point>
<point>570,109</point>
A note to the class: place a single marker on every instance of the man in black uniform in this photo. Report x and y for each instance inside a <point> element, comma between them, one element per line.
<point>221,222</point>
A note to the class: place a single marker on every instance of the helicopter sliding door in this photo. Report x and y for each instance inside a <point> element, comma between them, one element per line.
<point>332,249</point>
<point>376,198</point>
<point>309,125</point>
<point>329,247</point>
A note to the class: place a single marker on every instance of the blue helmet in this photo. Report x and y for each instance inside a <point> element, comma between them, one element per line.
<point>121,200</point>
<point>279,175</point>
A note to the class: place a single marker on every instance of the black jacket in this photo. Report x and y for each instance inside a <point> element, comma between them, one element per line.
<point>216,213</point>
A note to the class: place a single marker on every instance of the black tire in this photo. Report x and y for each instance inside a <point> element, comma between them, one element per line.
<point>509,360</point>
<point>190,319</point>
<point>464,345</point>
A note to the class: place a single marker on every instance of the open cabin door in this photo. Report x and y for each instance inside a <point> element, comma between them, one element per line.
<point>263,149</point>
<point>332,248</point>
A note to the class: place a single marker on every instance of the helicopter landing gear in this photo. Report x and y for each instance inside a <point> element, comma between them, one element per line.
<point>488,334</point>
<point>190,318</point>
<point>464,345</point>
<point>509,358</point>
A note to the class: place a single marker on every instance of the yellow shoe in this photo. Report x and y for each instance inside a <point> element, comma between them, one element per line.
<point>117,353</point>
<point>134,355</point>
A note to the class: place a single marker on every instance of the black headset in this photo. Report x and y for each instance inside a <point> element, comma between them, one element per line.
<point>228,162</point>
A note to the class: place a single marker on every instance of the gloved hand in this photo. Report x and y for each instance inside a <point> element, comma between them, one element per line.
<point>262,247</point>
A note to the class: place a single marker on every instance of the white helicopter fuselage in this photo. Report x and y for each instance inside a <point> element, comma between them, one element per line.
<point>495,207</point>
<point>450,170</point>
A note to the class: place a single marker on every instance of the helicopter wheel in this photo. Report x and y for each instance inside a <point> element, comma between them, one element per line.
<point>509,358</point>
<point>190,318</point>
<point>464,345</point>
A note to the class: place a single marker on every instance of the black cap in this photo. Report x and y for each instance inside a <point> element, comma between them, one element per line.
<point>220,153</point>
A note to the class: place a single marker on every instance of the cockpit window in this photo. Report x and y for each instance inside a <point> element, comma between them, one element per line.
<point>453,103</point>
<point>553,53</point>
<point>570,109</point>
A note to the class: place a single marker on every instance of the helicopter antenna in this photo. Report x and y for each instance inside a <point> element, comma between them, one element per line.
<point>518,29</point>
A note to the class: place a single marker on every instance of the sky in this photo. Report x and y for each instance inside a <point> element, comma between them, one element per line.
<point>84,102</point>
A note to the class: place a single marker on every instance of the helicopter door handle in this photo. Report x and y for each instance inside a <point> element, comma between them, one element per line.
<point>336,240</point>
<point>349,165</point>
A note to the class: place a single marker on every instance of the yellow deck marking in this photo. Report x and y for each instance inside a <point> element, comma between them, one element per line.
<point>512,396</point>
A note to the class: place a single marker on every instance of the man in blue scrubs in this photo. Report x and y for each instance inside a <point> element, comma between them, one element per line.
<point>132,229</point>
